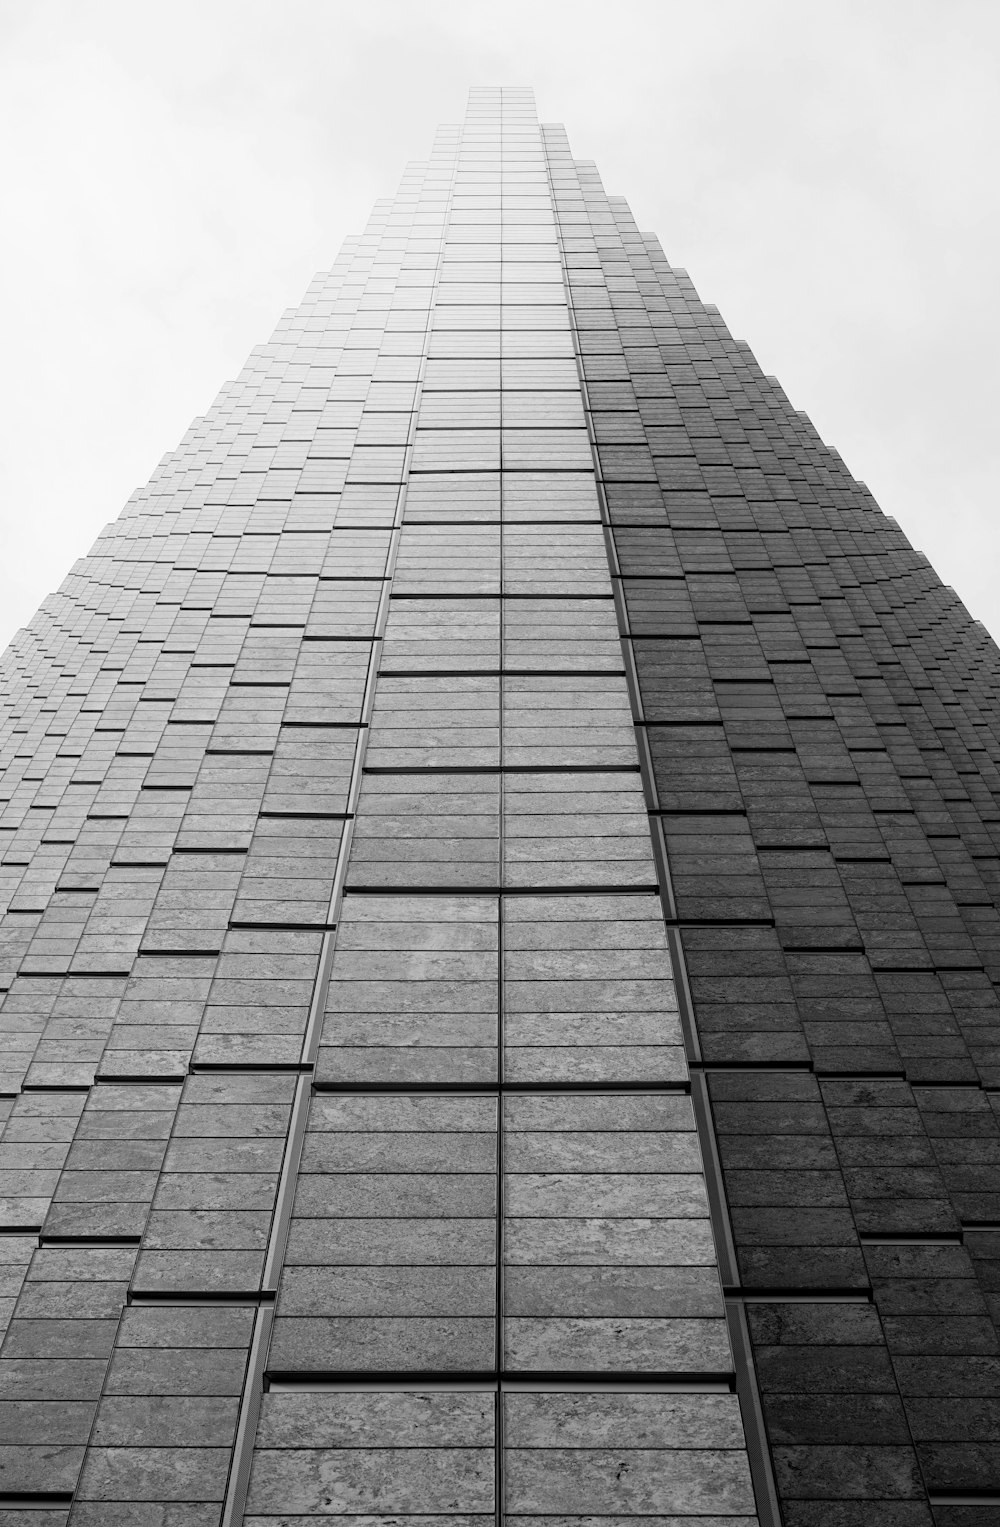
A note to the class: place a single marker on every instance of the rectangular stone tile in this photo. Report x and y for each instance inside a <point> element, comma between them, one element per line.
<point>409,1343</point>
<point>174,1420</point>
<point>564,722</point>
<point>588,991</point>
<point>639,1420</point>
<point>341,608</point>
<point>289,871</point>
<point>433,722</point>
<point>180,1351</point>
<point>456,450</point>
<point>387,1291</point>
<point>582,829</point>
<point>53,1363</point>
<point>630,1252</point>
<point>540,1195</point>
<point>603,1241</point>
<point>430,1150</point>
<point>391,1269</point>
<point>376,1453</point>
<point>224,802</point>
<point>549,497</point>
<point>394,1242</point>
<point>35,1144</point>
<point>40,1468</point>
<point>375,1418</point>
<point>456,559</point>
<point>464,497</point>
<point>260,997</point>
<point>161,1011</point>
<point>560,634</point>
<point>380,1195</point>
<point>354,554</point>
<point>155,1474</point>
<point>627,1482</point>
<point>554,559</point>
<point>442,634</point>
<point>310,770</point>
<point>427,830</point>
<point>413,992</point>
<point>442,409</point>
<point>569,1150</point>
<point>598,1291</point>
<point>398,1481</point>
<point>194,903</point>
<point>620,1344</point>
<point>202,1234</point>
<point>329,681</point>
<point>16,1253</point>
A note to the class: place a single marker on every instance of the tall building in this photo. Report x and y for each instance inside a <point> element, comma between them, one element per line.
<point>500,847</point>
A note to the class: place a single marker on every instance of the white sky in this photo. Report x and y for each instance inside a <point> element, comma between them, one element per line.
<point>173,174</point>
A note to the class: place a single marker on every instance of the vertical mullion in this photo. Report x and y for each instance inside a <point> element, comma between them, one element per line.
<point>501,1195</point>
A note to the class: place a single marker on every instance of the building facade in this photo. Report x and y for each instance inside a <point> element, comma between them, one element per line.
<point>500,854</point>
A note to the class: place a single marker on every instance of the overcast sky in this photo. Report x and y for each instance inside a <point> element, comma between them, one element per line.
<point>173,174</point>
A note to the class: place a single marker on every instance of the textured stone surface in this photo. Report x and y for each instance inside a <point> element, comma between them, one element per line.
<point>498,842</point>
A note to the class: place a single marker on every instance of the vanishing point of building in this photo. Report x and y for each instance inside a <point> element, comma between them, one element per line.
<point>500,846</point>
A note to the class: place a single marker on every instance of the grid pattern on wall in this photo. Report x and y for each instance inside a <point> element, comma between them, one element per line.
<point>499,844</point>
<point>820,718</point>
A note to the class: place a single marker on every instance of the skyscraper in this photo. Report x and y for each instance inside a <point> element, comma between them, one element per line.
<point>500,855</point>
